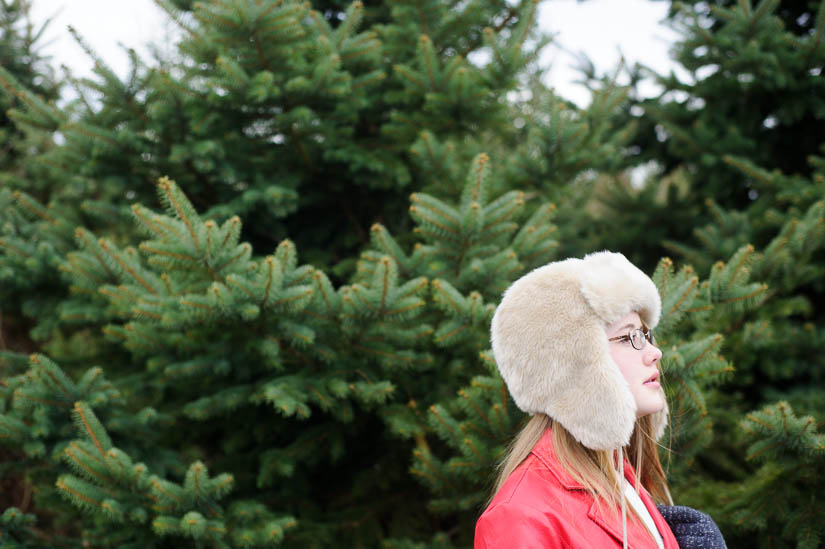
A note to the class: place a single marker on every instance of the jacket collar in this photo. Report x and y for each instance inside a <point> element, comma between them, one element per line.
<point>608,520</point>
<point>612,523</point>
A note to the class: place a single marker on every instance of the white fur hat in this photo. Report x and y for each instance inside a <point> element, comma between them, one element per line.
<point>550,344</point>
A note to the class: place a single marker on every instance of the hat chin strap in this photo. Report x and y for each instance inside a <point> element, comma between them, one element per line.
<point>621,489</point>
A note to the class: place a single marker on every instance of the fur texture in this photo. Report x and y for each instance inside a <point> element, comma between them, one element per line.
<point>549,341</point>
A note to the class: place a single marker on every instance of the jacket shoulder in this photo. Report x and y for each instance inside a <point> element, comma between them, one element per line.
<point>517,525</point>
<point>531,484</point>
<point>531,509</point>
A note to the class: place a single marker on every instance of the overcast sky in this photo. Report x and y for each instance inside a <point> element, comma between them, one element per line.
<point>600,28</point>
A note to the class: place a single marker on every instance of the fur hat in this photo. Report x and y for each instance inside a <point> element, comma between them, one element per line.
<point>550,344</point>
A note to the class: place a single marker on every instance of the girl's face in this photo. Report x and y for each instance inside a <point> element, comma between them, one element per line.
<point>640,367</point>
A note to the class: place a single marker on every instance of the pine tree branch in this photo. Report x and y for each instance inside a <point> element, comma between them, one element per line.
<point>512,12</point>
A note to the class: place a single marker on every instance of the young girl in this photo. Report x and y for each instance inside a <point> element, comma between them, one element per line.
<point>573,342</point>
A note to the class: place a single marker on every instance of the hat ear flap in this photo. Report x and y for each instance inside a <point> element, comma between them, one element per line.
<point>659,420</point>
<point>552,352</point>
<point>597,408</point>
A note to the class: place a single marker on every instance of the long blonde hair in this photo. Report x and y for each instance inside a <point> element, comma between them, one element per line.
<point>596,470</point>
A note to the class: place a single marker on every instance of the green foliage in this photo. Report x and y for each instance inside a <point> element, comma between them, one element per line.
<point>290,350</point>
<point>757,69</point>
<point>13,526</point>
<point>22,66</point>
<point>790,452</point>
<point>106,483</point>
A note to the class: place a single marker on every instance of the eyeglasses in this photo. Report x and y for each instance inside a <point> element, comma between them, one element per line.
<point>638,338</point>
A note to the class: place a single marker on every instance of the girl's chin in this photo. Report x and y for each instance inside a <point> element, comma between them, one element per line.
<point>650,407</point>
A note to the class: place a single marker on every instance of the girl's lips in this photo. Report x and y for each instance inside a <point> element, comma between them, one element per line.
<point>654,377</point>
<point>654,384</point>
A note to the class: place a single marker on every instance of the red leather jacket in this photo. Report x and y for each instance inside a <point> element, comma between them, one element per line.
<point>541,506</point>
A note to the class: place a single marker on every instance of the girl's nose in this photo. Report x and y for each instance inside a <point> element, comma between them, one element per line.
<point>652,353</point>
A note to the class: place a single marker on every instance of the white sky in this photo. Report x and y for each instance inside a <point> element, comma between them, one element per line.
<point>600,28</point>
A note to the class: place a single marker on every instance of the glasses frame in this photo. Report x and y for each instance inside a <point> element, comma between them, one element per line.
<point>647,337</point>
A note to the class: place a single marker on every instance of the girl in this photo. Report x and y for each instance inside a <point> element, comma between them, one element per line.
<point>573,343</point>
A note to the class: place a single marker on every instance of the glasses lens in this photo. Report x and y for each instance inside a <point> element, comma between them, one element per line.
<point>637,339</point>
